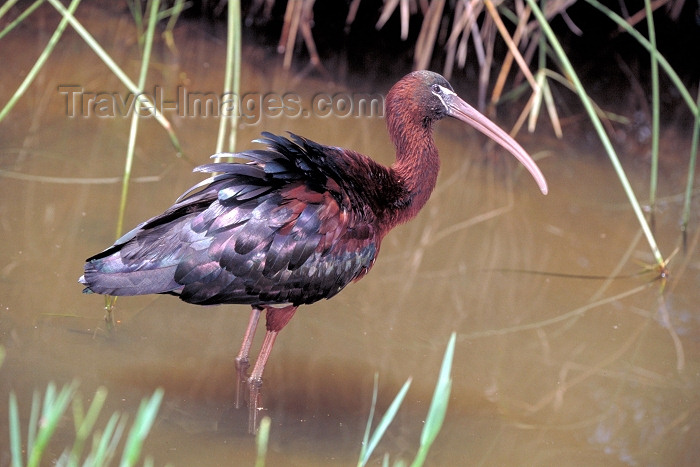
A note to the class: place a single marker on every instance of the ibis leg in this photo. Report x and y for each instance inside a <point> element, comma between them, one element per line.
<point>255,382</point>
<point>276,319</point>
<point>242,360</point>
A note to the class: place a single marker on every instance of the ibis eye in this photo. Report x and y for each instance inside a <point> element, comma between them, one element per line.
<point>436,88</point>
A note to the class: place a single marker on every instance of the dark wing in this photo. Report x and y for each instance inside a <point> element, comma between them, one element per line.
<point>283,228</point>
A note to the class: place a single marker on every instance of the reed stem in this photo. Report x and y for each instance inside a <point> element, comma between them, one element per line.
<point>40,61</point>
<point>673,76</point>
<point>655,103</point>
<point>118,72</point>
<point>30,9</point>
<point>135,117</point>
<point>605,140</point>
<point>232,76</point>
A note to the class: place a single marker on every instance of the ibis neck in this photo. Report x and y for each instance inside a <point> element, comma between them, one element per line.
<point>417,165</point>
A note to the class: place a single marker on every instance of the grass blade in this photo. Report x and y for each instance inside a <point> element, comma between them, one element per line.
<point>438,406</point>
<point>385,422</point>
<point>105,444</point>
<point>52,411</point>
<point>261,441</point>
<point>145,417</point>
<point>368,428</point>
<point>33,422</point>
<point>15,436</point>
<point>85,425</point>
<point>44,420</point>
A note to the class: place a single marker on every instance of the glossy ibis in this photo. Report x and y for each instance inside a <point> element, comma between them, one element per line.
<point>294,224</point>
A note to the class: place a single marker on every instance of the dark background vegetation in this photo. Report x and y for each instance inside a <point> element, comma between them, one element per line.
<point>595,51</point>
<point>614,68</point>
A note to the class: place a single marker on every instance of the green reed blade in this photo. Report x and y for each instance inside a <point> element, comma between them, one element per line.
<point>231,76</point>
<point>33,421</point>
<point>261,441</point>
<point>235,23</point>
<point>605,140</point>
<point>15,436</point>
<point>114,68</point>
<point>653,179</point>
<point>172,13</point>
<point>368,427</point>
<point>105,444</point>
<point>145,417</point>
<point>673,76</point>
<point>6,7</point>
<point>135,8</point>
<point>145,60</point>
<point>384,423</point>
<point>438,405</point>
<point>20,18</point>
<point>51,412</point>
<point>39,61</point>
<point>86,422</point>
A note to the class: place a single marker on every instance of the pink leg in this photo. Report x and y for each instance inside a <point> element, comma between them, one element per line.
<point>242,360</point>
<point>276,319</point>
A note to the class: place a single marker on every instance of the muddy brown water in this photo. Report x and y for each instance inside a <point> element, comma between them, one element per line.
<point>548,370</point>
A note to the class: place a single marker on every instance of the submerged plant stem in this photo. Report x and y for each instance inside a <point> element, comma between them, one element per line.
<point>557,319</point>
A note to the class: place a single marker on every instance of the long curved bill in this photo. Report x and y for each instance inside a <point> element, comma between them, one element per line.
<point>459,109</point>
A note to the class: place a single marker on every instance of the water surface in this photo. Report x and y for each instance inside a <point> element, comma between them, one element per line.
<point>548,370</point>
